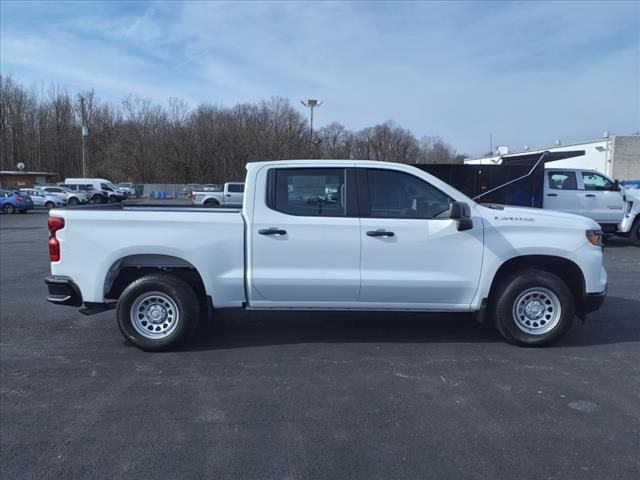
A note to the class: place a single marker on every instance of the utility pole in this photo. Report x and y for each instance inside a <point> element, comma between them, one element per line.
<point>85,137</point>
<point>311,104</point>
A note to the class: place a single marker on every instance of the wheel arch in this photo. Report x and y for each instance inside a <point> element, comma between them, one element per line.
<point>568,271</point>
<point>132,267</point>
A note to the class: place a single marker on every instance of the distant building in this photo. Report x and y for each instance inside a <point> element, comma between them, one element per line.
<point>19,178</point>
<point>616,156</point>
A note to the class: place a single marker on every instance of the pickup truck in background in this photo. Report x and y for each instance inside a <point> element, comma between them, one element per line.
<point>326,235</point>
<point>594,195</point>
<point>525,180</point>
<point>231,196</point>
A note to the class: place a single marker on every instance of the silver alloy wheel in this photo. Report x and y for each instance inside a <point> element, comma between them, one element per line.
<point>537,311</point>
<point>154,315</point>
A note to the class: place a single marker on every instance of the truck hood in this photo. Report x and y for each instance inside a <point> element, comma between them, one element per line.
<point>632,194</point>
<point>504,215</point>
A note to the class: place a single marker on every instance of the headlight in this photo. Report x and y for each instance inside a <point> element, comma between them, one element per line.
<point>594,237</point>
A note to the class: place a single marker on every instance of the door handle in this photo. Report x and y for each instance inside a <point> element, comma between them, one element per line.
<point>272,231</point>
<point>379,233</point>
<point>590,195</point>
<point>552,194</point>
<point>228,194</point>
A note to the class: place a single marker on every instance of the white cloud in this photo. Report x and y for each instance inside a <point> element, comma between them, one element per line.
<point>528,72</point>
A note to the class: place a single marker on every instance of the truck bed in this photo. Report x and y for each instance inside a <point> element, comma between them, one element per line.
<point>98,239</point>
<point>137,206</point>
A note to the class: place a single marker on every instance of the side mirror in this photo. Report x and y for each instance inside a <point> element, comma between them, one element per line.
<point>616,185</point>
<point>461,212</point>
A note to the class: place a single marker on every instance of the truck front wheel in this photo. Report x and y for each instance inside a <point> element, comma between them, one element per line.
<point>634,234</point>
<point>533,308</point>
<point>157,312</point>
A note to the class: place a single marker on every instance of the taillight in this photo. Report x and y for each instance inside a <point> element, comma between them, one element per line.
<point>193,196</point>
<point>55,224</point>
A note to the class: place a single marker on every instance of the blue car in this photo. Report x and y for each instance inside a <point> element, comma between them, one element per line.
<point>12,201</point>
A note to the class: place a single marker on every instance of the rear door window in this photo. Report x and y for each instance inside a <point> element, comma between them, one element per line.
<point>309,192</point>
<point>562,180</point>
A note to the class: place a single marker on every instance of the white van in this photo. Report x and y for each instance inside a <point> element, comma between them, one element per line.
<point>104,190</point>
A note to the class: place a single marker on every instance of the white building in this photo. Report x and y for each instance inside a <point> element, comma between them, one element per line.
<point>616,156</point>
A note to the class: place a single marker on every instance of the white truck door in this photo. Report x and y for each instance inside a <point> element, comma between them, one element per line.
<point>305,238</point>
<point>561,192</point>
<point>413,255</point>
<point>233,194</point>
<point>602,201</point>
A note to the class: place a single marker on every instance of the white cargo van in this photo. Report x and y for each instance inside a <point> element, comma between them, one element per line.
<point>104,190</point>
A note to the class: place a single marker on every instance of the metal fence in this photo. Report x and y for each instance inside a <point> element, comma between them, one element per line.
<point>164,190</point>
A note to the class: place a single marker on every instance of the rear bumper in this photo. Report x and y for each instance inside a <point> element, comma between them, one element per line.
<point>63,291</point>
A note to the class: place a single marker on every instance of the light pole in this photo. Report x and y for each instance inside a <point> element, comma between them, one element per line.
<point>311,104</point>
<point>85,137</point>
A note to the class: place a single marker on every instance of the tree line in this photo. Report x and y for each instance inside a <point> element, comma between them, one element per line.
<point>141,141</point>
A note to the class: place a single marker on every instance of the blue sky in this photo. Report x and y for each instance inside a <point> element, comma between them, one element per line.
<point>527,72</point>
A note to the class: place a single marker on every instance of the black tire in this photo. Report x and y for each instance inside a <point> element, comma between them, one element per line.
<point>49,205</point>
<point>546,294</point>
<point>212,202</point>
<point>113,199</point>
<point>186,317</point>
<point>73,201</point>
<point>8,208</point>
<point>634,233</point>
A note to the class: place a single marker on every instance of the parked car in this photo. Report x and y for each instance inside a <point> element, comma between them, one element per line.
<point>105,191</point>
<point>44,199</point>
<point>231,195</point>
<point>128,188</point>
<point>188,189</point>
<point>72,198</point>
<point>95,196</point>
<point>386,237</point>
<point>12,201</point>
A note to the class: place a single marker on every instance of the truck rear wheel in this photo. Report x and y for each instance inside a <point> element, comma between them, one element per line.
<point>533,308</point>
<point>157,312</point>
<point>212,202</point>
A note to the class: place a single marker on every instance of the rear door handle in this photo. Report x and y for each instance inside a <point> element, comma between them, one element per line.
<point>591,195</point>
<point>272,231</point>
<point>379,233</point>
<point>228,194</point>
<point>552,194</point>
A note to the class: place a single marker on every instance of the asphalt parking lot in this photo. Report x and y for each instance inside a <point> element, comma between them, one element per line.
<point>312,395</point>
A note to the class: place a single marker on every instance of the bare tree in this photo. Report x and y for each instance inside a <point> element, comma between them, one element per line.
<point>139,140</point>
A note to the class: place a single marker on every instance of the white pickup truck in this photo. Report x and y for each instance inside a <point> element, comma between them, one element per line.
<point>329,234</point>
<point>230,196</point>
<point>594,195</point>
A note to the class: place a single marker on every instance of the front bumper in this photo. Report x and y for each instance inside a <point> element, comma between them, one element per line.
<point>63,291</point>
<point>590,303</point>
